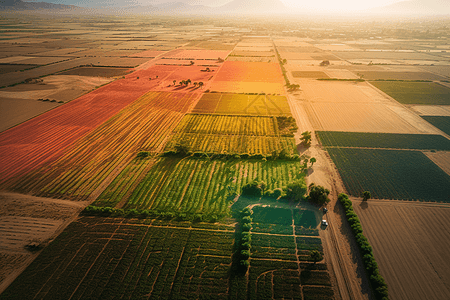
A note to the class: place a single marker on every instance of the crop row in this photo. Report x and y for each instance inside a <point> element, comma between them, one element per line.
<point>142,125</point>
<point>112,261</point>
<point>241,104</point>
<point>391,174</point>
<point>197,185</point>
<point>383,140</point>
<point>228,125</point>
<point>233,144</point>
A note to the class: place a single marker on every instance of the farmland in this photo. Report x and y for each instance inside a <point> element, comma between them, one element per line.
<point>410,246</point>
<point>42,139</point>
<point>383,140</point>
<point>241,104</point>
<point>193,185</point>
<point>391,174</point>
<point>428,93</point>
<point>90,161</point>
<point>441,122</point>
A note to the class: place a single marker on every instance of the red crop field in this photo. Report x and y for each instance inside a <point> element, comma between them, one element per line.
<point>43,139</point>
<point>143,125</point>
<point>250,72</point>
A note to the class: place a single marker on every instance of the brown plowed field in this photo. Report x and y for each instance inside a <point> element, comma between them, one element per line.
<point>441,158</point>
<point>410,243</point>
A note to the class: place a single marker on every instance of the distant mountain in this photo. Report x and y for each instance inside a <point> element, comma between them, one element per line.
<point>21,5</point>
<point>253,6</point>
<point>419,7</point>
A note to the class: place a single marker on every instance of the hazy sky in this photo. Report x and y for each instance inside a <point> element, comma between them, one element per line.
<point>344,5</point>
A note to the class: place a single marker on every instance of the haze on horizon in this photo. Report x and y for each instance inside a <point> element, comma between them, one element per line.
<point>317,5</point>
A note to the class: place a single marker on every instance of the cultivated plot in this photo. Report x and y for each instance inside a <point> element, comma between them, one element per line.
<point>410,245</point>
<point>142,125</point>
<point>441,122</point>
<point>391,174</point>
<point>383,140</point>
<point>194,185</point>
<point>428,93</point>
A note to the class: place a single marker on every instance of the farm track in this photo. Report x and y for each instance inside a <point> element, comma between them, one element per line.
<point>348,281</point>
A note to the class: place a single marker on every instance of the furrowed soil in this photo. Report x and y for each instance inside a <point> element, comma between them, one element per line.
<point>410,243</point>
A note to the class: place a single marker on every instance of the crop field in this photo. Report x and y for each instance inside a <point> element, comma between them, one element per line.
<point>43,138</point>
<point>280,220</point>
<point>243,104</point>
<point>109,258</point>
<point>274,268</point>
<point>96,71</point>
<point>383,140</point>
<point>441,122</point>
<point>253,53</point>
<point>197,54</point>
<point>391,174</point>
<point>194,185</point>
<point>360,117</point>
<point>428,93</point>
<point>390,55</point>
<point>410,245</point>
<point>148,53</point>
<point>237,125</point>
<point>142,125</point>
<point>309,74</point>
<point>237,144</point>
<point>432,110</point>
<point>7,68</point>
<point>250,72</point>
<point>389,75</point>
<point>441,158</point>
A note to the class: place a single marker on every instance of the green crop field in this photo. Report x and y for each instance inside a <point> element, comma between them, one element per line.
<point>391,174</point>
<point>233,144</point>
<point>241,104</point>
<point>429,93</point>
<point>383,140</point>
<point>98,258</point>
<point>441,122</point>
<point>193,185</point>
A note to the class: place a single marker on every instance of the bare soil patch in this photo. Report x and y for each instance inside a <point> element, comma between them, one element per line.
<point>441,158</point>
<point>97,71</point>
<point>309,74</point>
<point>410,244</point>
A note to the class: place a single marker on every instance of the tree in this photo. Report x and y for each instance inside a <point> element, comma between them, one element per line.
<point>312,161</point>
<point>318,194</point>
<point>188,82</point>
<point>200,84</point>
<point>174,82</point>
<point>195,84</point>
<point>366,195</point>
<point>192,62</point>
<point>306,138</point>
<point>296,190</point>
<point>325,63</point>
<point>315,256</point>
<point>263,186</point>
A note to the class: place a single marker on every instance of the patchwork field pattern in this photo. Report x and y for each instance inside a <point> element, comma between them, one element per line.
<point>428,93</point>
<point>43,139</point>
<point>391,174</point>
<point>383,140</point>
<point>387,75</point>
<point>194,185</point>
<point>243,104</point>
<point>277,249</point>
<point>108,258</point>
<point>142,125</point>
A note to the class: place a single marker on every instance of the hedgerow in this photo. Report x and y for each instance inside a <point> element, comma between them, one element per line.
<point>377,281</point>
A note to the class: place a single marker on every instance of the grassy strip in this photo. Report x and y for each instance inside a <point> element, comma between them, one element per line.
<point>377,281</point>
<point>384,140</point>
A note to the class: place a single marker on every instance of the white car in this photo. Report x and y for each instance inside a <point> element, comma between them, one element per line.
<point>324,223</point>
